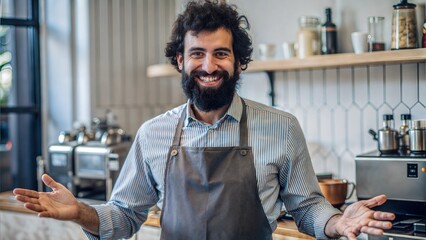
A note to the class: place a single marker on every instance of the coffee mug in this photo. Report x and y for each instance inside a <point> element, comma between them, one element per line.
<point>288,50</point>
<point>266,51</point>
<point>336,190</point>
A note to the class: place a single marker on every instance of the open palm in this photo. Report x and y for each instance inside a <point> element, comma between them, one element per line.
<point>359,217</point>
<point>59,204</point>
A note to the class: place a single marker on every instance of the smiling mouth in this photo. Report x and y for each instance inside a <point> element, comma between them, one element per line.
<point>208,79</point>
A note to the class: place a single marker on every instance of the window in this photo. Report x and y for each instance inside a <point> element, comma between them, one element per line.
<point>20,118</point>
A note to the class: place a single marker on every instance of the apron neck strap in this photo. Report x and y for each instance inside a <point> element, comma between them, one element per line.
<point>178,130</point>
<point>243,127</point>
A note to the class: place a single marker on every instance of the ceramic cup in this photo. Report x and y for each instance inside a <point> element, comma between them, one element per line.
<point>359,42</point>
<point>266,51</point>
<point>288,50</point>
<point>336,190</point>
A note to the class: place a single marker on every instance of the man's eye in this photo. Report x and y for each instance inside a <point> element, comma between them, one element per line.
<point>197,54</point>
<point>222,54</point>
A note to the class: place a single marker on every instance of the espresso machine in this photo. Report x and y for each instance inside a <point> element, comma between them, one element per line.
<point>97,166</point>
<point>60,164</point>
<point>88,162</point>
<point>401,176</point>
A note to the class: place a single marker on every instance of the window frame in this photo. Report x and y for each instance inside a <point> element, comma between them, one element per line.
<point>24,174</point>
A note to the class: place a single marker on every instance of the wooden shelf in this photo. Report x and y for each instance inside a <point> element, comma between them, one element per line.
<point>318,61</point>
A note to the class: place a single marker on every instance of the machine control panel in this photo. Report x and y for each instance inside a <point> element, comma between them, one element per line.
<point>412,170</point>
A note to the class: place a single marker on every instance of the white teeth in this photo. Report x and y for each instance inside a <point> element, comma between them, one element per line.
<point>209,79</point>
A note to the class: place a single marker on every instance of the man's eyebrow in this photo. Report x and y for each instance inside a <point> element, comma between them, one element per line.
<point>224,49</point>
<point>196,49</point>
<point>203,50</point>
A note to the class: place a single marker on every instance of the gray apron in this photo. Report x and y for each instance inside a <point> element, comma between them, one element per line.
<point>211,192</point>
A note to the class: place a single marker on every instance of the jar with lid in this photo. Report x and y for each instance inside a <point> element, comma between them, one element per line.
<point>376,41</point>
<point>308,42</point>
<point>404,26</point>
<point>388,123</point>
<point>404,138</point>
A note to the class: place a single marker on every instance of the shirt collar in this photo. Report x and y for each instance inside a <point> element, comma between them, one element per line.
<point>235,110</point>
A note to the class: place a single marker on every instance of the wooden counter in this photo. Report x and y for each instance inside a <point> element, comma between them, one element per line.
<point>9,203</point>
<point>286,229</point>
<point>16,222</point>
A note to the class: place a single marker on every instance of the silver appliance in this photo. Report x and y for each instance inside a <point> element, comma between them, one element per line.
<point>97,167</point>
<point>87,162</point>
<point>60,163</point>
<point>402,178</point>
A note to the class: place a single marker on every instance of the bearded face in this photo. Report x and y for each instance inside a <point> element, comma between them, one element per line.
<point>206,98</point>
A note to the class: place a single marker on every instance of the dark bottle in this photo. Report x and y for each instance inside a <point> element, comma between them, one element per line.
<point>328,35</point>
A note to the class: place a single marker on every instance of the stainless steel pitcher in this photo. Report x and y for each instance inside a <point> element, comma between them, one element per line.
<point>387,138</point>
<point>417,133</point>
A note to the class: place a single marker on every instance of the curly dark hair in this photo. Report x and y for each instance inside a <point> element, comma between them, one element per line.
<point>209,16</point>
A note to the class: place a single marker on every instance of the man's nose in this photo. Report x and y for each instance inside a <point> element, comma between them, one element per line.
<point>209,64</point>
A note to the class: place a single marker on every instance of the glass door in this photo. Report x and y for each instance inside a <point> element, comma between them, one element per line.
<point>20,115</point>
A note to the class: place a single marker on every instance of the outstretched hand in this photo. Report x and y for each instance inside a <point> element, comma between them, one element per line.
<point>359,218</point>
<point>59,204</point>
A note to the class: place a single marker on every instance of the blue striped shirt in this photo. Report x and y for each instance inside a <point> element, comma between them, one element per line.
<point>284,170</point>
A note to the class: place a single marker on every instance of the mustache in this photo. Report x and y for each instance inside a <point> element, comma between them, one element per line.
<point>222,74</point>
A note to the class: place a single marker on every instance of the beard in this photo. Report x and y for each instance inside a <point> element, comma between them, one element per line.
<point>208,99</point>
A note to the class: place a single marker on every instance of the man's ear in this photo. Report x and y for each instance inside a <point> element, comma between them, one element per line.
<point>239,68</point>
<point>179,59</point>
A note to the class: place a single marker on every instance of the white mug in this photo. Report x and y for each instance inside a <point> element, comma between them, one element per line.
<point>288,50</point>
<point>360,42</point>
<point>266,51</point>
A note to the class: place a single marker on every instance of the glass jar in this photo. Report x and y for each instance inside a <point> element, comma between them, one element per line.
<point>388,121</point>
<point>308,42</point>
<point>376,41</point>
<point>404,138</point>
<point>404,26</point>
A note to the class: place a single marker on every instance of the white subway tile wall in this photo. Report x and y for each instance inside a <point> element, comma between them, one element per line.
<point>337,106</point>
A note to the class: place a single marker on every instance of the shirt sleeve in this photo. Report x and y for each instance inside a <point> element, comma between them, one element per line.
<point>300,191</point>
<point>133,194</point>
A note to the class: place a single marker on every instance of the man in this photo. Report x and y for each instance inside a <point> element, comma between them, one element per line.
<point>219,167</point>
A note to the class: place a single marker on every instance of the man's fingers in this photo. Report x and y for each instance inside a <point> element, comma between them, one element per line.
<point>380,224</point>
<point>49,181</point>
<point>26,199</point>
<point>383,216</point>
<point>25,192</point>
<point>372,231</point>
<point>44,214</point>
<point>351,236</point>
<point>375,201</point>
<point>34,207</point>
